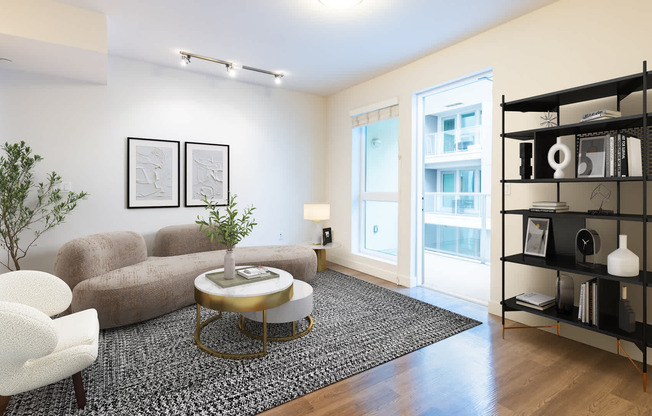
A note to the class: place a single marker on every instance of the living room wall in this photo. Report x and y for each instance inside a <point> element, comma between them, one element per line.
<point>81,130</point>
<point>568,43</point>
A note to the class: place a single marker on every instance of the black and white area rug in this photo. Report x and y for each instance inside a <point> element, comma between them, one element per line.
<point>155,368</point>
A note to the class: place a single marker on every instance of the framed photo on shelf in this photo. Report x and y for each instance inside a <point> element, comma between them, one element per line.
<point>207,173</point>
<point>592,157</point>
<point>327,236</point>
<point>536,236</point>
<point>152,173</point>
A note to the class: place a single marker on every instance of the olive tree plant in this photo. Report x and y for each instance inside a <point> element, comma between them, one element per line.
<point>228,229</point>
<point>27,205</point>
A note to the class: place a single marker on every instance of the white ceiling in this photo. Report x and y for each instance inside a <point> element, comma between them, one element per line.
<point>320,50</point>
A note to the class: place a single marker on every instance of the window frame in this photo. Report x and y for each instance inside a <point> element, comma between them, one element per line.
<point>363,197</point>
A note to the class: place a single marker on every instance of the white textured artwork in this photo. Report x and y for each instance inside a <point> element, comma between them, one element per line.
<point>208,174</point>
<point>154,173</point>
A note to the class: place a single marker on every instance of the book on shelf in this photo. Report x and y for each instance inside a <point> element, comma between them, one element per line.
<point>537,307</point>
<point>600,115</point>
<point>534,298</point>
<point>634,156</point>
<point>588,306</point>
<point>254,272</point>
<point>622,158</point>
<point>562,209</point>
<point>549,204</point>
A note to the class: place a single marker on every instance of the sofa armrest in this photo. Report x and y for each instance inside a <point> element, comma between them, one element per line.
<point>93,255</point>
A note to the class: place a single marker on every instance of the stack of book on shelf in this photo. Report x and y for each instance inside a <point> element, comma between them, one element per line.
<point>588,308</point>
<point>549,206</point>
<point>610,156</point>
<point>600,115</point>
<point>535,300</point>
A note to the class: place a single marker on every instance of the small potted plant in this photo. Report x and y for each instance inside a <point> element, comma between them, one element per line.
<point>228,229</point>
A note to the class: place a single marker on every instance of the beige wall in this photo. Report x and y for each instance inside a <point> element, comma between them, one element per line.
<point>569,43</point>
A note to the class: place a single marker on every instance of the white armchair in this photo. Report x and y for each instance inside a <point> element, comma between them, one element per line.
<point>36,350</point>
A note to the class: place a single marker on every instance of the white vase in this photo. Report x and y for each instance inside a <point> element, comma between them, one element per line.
<point>564,158</point>
<point>622,262</point>
<point>229,265</point>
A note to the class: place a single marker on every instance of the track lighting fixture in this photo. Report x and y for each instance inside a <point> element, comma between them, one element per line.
<point>231,68</point>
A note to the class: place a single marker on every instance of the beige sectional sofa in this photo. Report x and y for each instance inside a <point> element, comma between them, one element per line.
<point>112,272</point>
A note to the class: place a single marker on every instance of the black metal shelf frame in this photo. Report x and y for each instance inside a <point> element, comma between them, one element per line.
<point>619,88</point>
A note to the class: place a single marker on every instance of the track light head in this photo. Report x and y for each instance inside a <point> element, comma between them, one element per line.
<point>277,78</point>
<point>185,59</point>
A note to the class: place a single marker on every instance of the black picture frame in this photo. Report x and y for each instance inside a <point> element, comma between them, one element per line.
<point>153,171</point>
<point>207,173</point>
<point>327,235</point>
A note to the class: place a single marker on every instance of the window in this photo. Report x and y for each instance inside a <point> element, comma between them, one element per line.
<point>458,192</point>
<point>453,131</point>
<point>375,167</point>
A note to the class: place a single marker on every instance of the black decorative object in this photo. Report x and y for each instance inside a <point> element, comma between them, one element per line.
<point>587,244</point>
<point>526,164</point>
<point>602,193</point>
<point>565,293</point>
<point>626,318</point>
<point>327,236</point>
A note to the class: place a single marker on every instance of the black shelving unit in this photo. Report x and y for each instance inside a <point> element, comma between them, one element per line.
<point>569,222</point>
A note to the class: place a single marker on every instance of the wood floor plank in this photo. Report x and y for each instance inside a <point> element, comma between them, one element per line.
<point>530,372</point>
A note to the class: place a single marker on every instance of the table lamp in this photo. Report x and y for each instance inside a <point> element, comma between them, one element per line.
<point>316,213</point>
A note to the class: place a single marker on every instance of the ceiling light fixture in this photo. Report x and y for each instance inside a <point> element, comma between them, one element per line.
<point>340,4</point>
<point>231,68</point>
<point>185,59</point>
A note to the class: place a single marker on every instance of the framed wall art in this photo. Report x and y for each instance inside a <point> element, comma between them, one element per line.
<point>207,173</point>
<point>152,173</point>
<point>536,236</point>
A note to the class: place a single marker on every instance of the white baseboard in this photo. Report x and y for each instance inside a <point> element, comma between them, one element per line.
<point>389,273</point>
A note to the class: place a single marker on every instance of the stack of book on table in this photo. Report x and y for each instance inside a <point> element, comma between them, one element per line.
<point>588,308</point>
<point>535,300</point>
<point>600,115</point>
<point>549,206</point>
<point>254,272</point>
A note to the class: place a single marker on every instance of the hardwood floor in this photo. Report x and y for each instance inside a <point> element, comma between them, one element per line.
<point>530,372</point>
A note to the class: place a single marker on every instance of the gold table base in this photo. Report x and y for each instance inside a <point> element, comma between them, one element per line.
<point>276,339</point>
<point>211,351</point>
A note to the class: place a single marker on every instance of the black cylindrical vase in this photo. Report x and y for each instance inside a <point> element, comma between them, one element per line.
<point>565,293</point>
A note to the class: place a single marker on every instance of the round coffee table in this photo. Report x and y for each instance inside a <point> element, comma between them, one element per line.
<point>249,297</point>
<point>299,307</point>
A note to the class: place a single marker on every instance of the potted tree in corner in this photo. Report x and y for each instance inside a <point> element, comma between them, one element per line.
<point>228,229</point>
<point>20,209</point>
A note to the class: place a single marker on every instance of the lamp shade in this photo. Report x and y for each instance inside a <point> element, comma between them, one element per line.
<point>316,212</point>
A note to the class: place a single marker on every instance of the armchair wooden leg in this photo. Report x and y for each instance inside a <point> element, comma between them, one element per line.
<point>4,402</point>
<point>79,390</point>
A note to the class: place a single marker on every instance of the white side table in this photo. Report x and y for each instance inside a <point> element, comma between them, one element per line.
<point>320,250</point>
<point>298,308</point>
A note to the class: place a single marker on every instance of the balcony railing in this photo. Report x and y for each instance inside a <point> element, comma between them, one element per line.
<point>456,203</point>
<point>447,142</point>
<point>473,210</point>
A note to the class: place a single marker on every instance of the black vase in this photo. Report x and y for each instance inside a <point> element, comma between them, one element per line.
<point>565,293</point>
